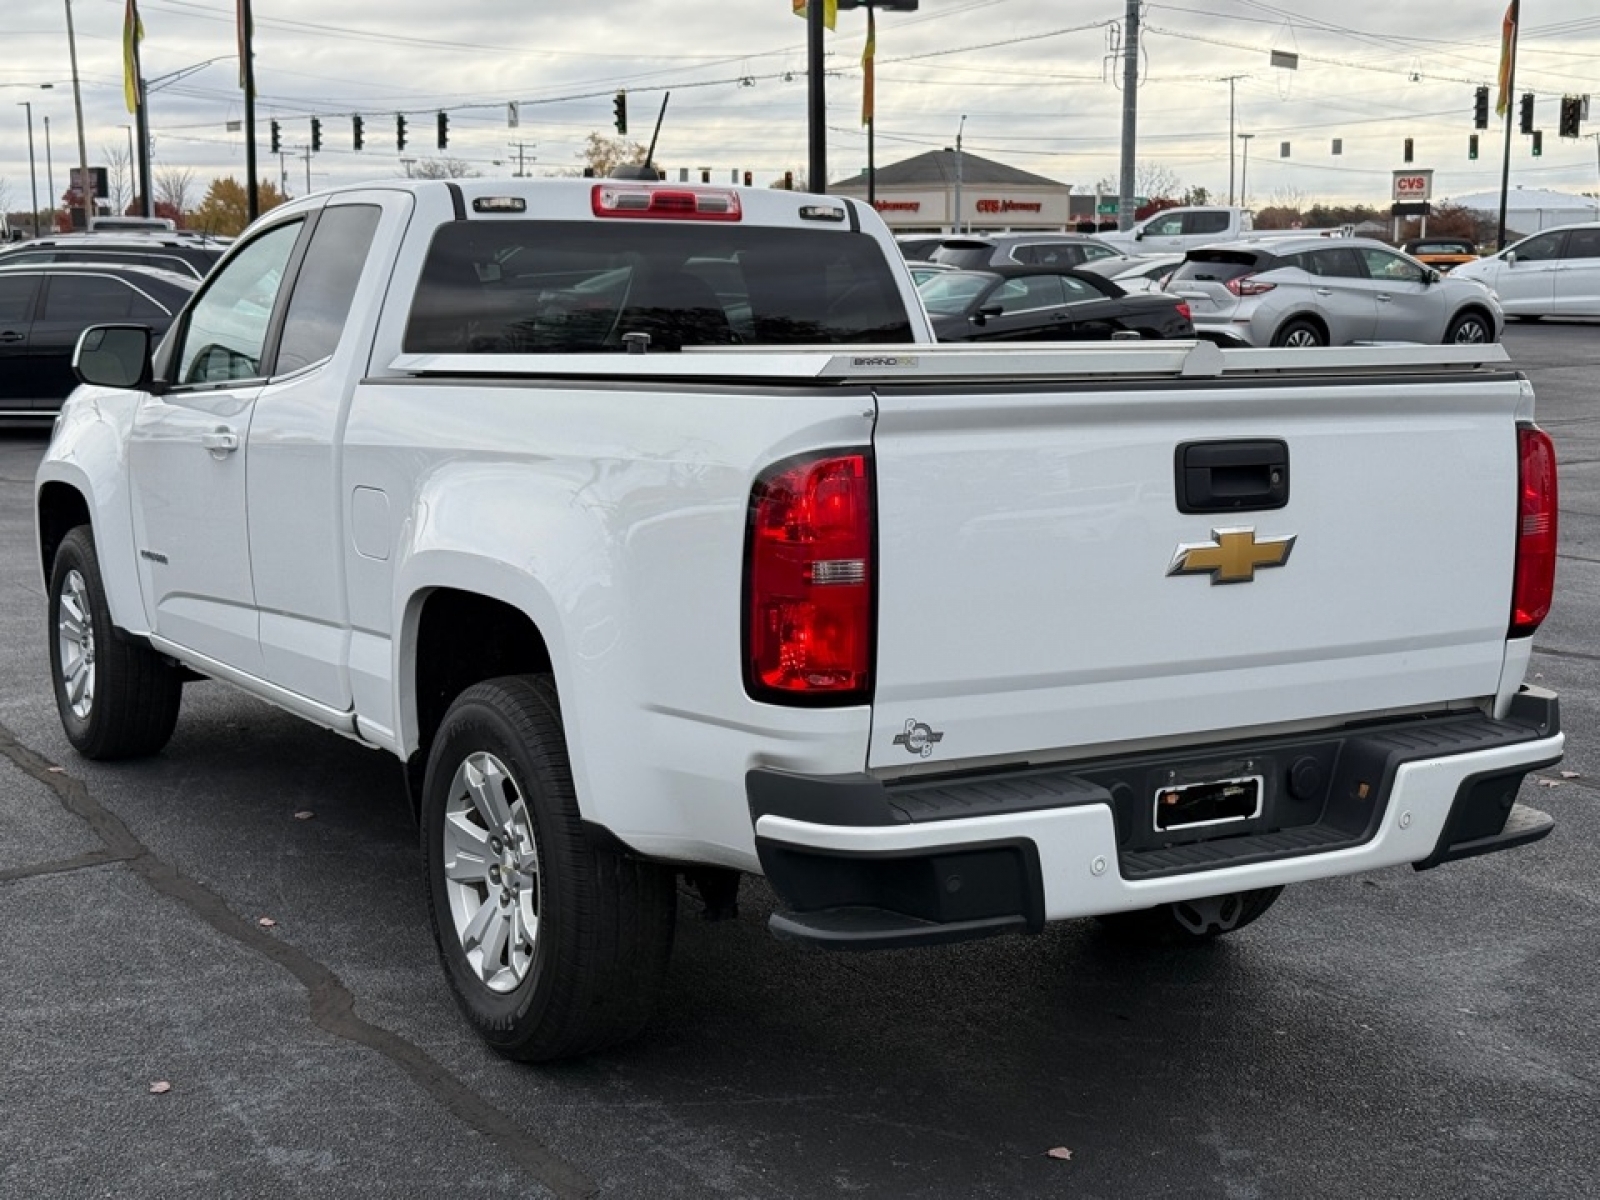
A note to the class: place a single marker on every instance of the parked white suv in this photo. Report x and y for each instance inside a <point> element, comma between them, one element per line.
<point>1316,291</point>
<point>1551,274</point>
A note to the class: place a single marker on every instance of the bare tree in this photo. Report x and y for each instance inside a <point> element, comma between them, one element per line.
<point>438,168</point>
<point>5,194</point>
<point>119,171</point>
<point>1150,180</point>
<point>174,186</point>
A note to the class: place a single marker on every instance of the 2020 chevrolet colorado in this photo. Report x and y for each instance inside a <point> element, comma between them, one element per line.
<point>645,525</point>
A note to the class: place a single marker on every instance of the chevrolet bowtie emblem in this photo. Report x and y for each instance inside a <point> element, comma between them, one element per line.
<point>1232,556</point>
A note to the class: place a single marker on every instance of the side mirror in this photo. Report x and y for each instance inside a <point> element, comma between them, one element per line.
<point>1138,235</point>
<point>115,356</point>
<point>1511,258</point>
<point>981,317</point>
<point>1432,276</point>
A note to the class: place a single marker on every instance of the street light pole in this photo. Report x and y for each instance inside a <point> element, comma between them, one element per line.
<point>49,172</point>
<point>960,129</point>
<point>33,175</point>
<point>1244,172</point>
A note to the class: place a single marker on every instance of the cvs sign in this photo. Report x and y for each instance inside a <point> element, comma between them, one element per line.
<point>1413,186</point>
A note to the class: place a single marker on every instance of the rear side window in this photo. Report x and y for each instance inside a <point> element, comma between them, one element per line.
<point>967,256</point>
<point>90,299</point>
<point>1216,266</point>
<point>575,287</point>
<point>326,285</point>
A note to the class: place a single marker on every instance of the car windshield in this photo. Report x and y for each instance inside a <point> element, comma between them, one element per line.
<point>949,294</point>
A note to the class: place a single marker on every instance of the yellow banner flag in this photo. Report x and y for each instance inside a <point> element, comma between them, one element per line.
<point>1508,56</point>
<point>132,35</point>
<point>830,12</point>
<point>867,55</point>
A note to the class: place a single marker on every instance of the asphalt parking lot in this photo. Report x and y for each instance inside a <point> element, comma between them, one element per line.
<point>1395,1034</point>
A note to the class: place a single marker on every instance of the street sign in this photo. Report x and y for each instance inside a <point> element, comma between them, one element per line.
<point>1413,187</point>
<point>1107,208</point>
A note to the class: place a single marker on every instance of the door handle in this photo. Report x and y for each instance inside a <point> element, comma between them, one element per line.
<point>220,441</point>
<point>1383,299</point>
<point>1324,291</point>
<point>11,335</point>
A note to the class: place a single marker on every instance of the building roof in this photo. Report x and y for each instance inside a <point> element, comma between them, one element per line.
<point>937,168</point>
<point>1522,199</point>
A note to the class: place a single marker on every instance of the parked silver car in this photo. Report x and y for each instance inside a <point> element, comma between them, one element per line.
<point>1317,291</point>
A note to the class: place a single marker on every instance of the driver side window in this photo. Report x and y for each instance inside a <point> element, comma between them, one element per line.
<point>227,327</point>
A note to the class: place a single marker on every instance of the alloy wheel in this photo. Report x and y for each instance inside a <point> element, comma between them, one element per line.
<point>75,638</point>
<point>491,869</point>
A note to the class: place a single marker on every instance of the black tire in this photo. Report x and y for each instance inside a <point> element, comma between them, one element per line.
<point>602,922</point>
<point>1190,922</point>
<point>1300,334</point>
<point>1469,329</point>
<point>117,697</point>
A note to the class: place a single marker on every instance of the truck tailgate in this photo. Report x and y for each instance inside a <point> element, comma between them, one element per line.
<point>1027,531</point>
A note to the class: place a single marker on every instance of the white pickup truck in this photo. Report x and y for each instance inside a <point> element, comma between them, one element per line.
<point>644,526</point>
<point>1179,230</point>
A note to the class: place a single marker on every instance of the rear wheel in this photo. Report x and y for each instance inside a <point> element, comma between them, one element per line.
<point>117,697</point>
<point>1469,329</point>
<point>554,946</point>
<point>1300,335</point>
<point>1189,922</point>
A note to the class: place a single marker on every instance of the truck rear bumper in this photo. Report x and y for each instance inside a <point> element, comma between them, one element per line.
<point>861,864</point>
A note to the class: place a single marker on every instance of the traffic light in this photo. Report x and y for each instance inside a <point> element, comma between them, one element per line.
<point>356,132</point>
<point>1538,143</point>
<point>399,131</point>
<point>1410,150</point>
<point>619,107</point>
<point>444,130</point>
<point>1526,122</point>
<point>1480,108</point>
<point>747,179</point>
<point>316,134</point>
<point>1571,116</point>
<point>277,139</point>
<point>1472,146</point>
<point>788,181</point>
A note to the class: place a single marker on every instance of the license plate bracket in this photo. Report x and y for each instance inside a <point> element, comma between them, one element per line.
<point>1208,803</point>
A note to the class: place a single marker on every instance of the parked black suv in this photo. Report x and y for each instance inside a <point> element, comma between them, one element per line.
<point>45,306</point>
<point>187,254</point>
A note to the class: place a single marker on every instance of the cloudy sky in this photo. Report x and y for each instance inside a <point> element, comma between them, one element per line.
<point>1033,78</point>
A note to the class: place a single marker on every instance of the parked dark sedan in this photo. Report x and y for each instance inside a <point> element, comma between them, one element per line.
<point>45,306</point>
<point>1041,304</point>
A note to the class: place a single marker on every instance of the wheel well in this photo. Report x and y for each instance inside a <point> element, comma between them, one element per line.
<point>62,509</point>
<point>1474,310</point>
<point>463,639</point>
<point>1303,318</point>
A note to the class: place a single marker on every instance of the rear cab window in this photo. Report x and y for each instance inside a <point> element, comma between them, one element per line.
<point>574,287</point>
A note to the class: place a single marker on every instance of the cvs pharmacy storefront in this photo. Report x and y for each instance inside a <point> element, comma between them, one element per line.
<point>942,191</point>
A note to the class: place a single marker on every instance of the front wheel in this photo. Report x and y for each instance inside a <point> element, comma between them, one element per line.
<point>117,697</point>
<point>553,945</point>
<point>1469,329</point>
<point>1189,922</point>
<point>1300,335</point>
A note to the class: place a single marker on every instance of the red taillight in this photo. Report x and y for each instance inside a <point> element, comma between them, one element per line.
<point>651,200</point>
<point>1536,530</point>
<point>1248,285</point>
<point>809,582</point>
<point>1185,311</point>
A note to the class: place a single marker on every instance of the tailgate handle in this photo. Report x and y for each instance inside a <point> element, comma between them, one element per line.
<point>1245,476</point>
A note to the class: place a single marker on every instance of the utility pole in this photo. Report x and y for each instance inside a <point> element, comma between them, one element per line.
<point>1244,175</point>
<point>87,190</point>
<point>1508,68</point>
<point>521,148</point>
<point>283,173</point>
<point>306,154</point>
<point>816,103</point>
<point>1231,80</point>
<point>1130,113</point>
